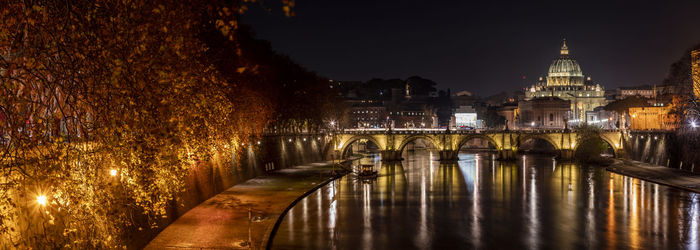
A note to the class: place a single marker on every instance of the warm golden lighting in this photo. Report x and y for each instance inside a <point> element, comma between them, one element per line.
<point>113,172</point>
<point>41,199</point>
<point>653,118</point>
<point>695,72</point>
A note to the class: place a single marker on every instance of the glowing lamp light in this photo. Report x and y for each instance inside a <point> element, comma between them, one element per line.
<point>304,139</point>
<point>41,200</point>
<point>113,172</point>
<point>318,138</point>
<point>617,145</point>
<point>258,142</point>
<point>655,137</point>
<point>290,140</point>
<point>693,124</point>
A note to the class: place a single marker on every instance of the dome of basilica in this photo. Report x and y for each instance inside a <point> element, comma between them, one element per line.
<point>564,71</point>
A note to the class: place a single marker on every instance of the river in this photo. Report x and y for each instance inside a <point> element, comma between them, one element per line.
<point>479,202</point>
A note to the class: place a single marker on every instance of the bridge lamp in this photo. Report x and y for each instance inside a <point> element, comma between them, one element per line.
<point>532,123</point>
<point>290,140</point>
<point>113,172</point>
<point>304,139</point>
<point>41,200</point>
<point>693,124</point>
<point>655,137</point>
<point>258,142</point>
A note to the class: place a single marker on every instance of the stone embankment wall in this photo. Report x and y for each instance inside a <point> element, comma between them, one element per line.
<point>680,149</point>
<point>208,179</point>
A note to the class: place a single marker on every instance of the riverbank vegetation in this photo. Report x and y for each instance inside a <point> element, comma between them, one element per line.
<point>591,147</point>
<point>107,105</point>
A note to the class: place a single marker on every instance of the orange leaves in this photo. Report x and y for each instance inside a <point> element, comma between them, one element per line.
<point>287,7</point>
<point>136,81</point>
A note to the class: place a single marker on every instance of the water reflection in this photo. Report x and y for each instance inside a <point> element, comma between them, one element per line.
<point>477,202</point>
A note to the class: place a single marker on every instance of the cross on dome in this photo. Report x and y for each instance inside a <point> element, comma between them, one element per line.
<point>564,48</point>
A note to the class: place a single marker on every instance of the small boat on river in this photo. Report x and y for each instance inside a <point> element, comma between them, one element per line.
<point>367,172</point>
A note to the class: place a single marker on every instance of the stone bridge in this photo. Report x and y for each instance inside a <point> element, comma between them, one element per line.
<point>448,142</point>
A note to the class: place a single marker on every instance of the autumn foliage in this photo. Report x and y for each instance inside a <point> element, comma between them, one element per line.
<point>106,105</point>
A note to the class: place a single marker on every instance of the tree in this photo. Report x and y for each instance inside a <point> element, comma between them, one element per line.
<point>106,105</point>
<point>591,146</point>
<point>492,119</point>
<point>420,86</point>
<point>622,106</point>
<point>680,72</point>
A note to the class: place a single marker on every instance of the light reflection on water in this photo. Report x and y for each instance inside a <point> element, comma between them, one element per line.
<point>482,203</point>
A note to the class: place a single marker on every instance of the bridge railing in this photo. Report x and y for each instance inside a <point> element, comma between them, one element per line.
<point>452,131</point>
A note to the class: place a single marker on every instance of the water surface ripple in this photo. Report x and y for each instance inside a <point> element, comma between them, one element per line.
<point>478,202</point>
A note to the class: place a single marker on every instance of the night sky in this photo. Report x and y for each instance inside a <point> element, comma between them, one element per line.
<point>484,47</point>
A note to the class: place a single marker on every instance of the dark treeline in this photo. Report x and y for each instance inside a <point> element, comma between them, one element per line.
<point>108,105</point>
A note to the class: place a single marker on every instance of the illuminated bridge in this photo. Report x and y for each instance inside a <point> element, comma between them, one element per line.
<point>448,142</point>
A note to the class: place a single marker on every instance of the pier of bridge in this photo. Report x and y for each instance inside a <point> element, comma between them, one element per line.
<point>392,143</point>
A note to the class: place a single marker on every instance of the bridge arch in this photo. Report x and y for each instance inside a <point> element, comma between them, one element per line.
<point>468,138</point>
<point>527,137</point>
<point>346,143</point>
<point>412,138</point>
<point>603,138</point>
<point>612,138</point>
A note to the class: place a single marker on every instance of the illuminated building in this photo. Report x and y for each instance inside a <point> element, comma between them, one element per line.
<point>543,112</point>
<point>510,112</point>
<point>465,117</point>
<point>366,114</point>
<point>389,107</point>
<point>566,81</point>
<point>601,118</point>
<point>695,57</point>
<point>652,118</point>
<point>645,91</point>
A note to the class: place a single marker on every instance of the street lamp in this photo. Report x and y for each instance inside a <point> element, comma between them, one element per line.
<point>41,200</point>
<point>693,124</point>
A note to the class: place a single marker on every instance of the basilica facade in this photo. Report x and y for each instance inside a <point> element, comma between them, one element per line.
<point>566,81</point>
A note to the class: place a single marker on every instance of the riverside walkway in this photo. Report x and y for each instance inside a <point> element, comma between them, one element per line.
<point>222,222</point>
<point>657,174</point>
